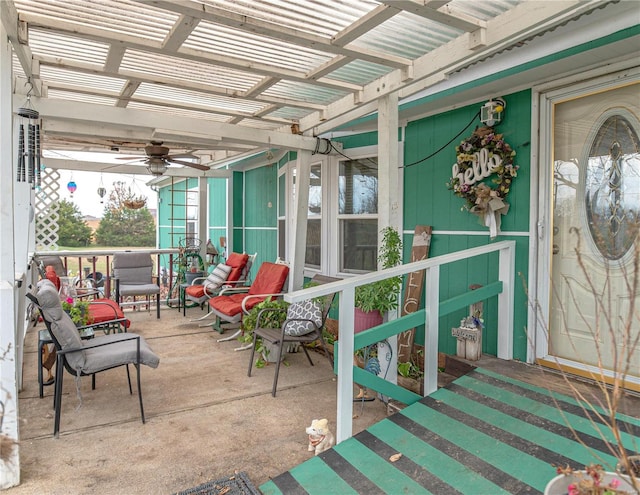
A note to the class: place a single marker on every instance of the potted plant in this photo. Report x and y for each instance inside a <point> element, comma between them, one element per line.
<point>593,480</point>
<point>373,300</point>
<point>77,310</point>
<point>269,319</point>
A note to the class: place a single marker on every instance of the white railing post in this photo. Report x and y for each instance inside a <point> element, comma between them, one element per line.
<point>432,301</point>
<point>506,274</point>
<point>345,365</point>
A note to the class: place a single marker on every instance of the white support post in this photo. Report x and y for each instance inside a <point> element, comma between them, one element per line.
<point>388,172</point>
<point>432,301</point>
<point>203,217</point>
<point>345,365</point>
<point>298,237</point>
<point>506,274</point>
<point>10,463</point>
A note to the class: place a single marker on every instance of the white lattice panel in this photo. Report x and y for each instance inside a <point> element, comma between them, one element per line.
<point>47,205</point>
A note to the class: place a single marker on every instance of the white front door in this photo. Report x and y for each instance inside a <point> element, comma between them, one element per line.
<point>594,306</point>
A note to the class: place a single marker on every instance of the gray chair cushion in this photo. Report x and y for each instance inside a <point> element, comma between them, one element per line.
<point>139,289</point>
<point>310,311</point>
<point>121,352</point>
<point>63,328</point>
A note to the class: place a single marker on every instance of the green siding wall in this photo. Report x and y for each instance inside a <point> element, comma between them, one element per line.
<point>238,212</point>
<point>427,201</point>
<point>261,210</point>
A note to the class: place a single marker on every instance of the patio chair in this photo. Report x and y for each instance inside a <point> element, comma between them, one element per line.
<point>87,357</point>
<point>133,274</point>
<point>303,325</point>
<point>232,303</point>
<point>234,272</point>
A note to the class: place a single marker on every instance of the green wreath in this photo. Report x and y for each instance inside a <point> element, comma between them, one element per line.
<point>499,153</point>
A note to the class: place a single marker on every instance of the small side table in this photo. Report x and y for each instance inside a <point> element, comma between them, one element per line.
<point>44,338</point>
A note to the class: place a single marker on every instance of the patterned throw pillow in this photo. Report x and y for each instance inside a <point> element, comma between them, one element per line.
<point>217,277</point>
<point>308,310</point>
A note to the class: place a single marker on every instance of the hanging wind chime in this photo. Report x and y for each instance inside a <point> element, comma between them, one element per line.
<point>72,186</point>
<point>29,166</point>
<point>101,190</point>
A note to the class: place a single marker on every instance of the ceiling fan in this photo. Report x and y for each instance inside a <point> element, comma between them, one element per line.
<point>158,158</point>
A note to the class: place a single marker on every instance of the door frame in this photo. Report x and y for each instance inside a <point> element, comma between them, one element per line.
<point>544,98</point>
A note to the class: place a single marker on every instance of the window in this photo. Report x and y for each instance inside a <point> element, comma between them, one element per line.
<point>313,252</point>
<point>342,213</point>
<point>358,215</point>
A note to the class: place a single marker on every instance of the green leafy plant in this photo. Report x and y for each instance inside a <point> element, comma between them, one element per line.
<point>269,319</point>
<point>382,296</point>
<point>77,310</point>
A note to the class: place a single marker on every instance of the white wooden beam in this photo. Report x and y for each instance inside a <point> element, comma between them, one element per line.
<point>388,158</point>
<point>167,81</point>
<point>264,28</point>
<point>137,43</point>
<point>298,237</point>
<point>181,30</point>
<point>9,17</point>
<point>9,348</point>
<point>445,15</point>
<point>125,168</point>
<point>521,22</point>
<point>87,112</point>
<point>364,24</point>
<point>114,58</point>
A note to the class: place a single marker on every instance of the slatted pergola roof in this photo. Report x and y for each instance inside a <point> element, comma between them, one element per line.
<point>226,77</point>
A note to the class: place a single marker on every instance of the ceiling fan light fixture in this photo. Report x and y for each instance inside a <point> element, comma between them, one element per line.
<point>156,166</point>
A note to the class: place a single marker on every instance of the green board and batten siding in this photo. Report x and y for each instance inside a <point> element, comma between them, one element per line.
<point>427,201</point>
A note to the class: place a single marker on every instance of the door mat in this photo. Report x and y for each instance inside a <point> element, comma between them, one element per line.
<point>236,484</point>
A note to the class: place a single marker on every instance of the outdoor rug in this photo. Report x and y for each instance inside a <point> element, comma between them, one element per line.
<point>236,484</point>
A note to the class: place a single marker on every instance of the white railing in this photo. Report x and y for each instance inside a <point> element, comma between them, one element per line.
<point>348,342</point>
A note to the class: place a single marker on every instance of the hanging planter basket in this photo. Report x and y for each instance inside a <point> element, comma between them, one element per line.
<point>135,204</point>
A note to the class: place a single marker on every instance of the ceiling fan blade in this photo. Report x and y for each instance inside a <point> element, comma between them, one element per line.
<point>181,155</point>
<point>190,164</point>
<point>130,157</point>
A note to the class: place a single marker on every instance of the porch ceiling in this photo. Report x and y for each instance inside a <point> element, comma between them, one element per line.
<point>230,77</point>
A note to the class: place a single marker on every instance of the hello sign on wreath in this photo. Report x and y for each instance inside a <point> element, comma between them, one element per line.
<point>479,157</point>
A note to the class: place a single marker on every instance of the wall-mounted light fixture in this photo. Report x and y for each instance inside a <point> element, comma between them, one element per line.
<point>491,111</point>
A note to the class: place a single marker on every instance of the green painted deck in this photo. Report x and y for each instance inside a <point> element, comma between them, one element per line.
<point>482,434</point>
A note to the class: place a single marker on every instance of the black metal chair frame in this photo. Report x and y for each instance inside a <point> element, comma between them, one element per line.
<point>62,364</point>
<point>278,336</point>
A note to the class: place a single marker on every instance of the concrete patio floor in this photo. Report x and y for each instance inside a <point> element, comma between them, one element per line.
<point>205,417</point>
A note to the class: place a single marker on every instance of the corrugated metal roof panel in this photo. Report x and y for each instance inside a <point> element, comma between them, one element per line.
<point>119,16</point>
<point>251,48</point>
<point>181,70</point>
<point>73,96</point>
<point>46,43</point>
<point>304,92</point>
<point>179,96</point>
<point>179,111</point>
<point>83,81</point>
<point>318,17</point>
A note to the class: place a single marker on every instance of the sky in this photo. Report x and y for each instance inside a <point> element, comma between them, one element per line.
<point>86,196</point>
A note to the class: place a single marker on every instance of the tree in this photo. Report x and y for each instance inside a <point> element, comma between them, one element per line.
<point>122,226</point>
<point>72,229</point>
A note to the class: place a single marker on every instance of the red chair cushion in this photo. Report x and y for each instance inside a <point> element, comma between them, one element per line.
<point>229,305</point>
<point>270,279</point>
<point>196,291</point>
<point>237,262</point>
<point>51,274</point>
